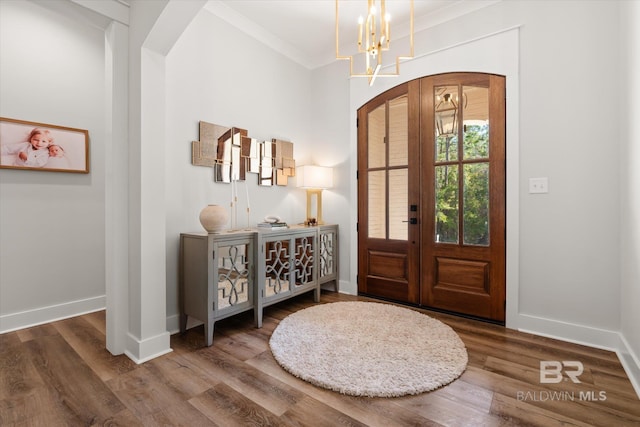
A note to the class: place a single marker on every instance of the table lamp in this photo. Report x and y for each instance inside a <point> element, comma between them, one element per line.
<point>314,179</point>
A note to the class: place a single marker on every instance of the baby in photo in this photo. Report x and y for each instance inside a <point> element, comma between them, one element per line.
<point>32,153</point>
<point>57,158</point>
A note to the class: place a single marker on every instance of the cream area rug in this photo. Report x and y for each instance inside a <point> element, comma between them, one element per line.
<point>368,349</point>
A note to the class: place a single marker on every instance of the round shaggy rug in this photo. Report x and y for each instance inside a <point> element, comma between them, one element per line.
<point>368,349</point>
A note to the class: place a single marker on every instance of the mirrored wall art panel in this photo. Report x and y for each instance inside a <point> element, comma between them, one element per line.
<point>266,163</point>
<point>281,177</point>
<point>232,154</point>
<point>284,163</point>
<point>204,151</point>
<point>228,155</point>
<point>250,154</point>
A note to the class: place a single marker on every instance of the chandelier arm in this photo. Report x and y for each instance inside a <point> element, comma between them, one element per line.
<point>374,45</point>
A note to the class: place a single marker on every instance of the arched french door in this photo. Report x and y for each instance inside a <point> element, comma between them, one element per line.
<point>431,194</point>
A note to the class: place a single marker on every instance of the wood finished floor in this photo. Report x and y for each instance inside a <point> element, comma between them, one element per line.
<point>60,374</point>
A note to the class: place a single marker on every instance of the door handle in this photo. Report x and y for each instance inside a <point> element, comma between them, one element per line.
<point>412,221</point>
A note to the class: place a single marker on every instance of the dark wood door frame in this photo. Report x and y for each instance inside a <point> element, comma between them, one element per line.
<point>460,278</point>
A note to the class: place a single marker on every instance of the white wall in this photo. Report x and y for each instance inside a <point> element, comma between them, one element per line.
<point>630,179</point>
<point>569,238</point>
<point>242,84</point>
<point>330,146</point>
<point>566,254</point>
<point>51,224</point>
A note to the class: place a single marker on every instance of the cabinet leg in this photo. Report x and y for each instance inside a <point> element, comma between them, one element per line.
<point>183,323</point>
<point>257,315</point>
<point>316,294</point>
<point>208,332</point>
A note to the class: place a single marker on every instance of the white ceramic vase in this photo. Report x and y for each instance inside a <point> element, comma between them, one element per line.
<point>214,218</point>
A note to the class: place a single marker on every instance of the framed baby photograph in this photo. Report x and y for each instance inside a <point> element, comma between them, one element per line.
<point>43,147</point>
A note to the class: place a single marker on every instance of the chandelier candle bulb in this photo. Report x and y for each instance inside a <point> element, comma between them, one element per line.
<point>373,25</point>
<point>387,33</point>
<point>372,43</point>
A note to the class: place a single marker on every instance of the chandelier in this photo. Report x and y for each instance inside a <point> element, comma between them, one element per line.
<point>374,37</point>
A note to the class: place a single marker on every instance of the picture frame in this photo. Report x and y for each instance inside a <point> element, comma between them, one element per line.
<point>43,147</point>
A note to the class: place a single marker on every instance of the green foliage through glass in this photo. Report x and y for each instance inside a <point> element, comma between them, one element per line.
<point>447,204</point>
<point>475,215</point>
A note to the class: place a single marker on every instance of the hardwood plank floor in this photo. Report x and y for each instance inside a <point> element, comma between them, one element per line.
<point>60,374</point>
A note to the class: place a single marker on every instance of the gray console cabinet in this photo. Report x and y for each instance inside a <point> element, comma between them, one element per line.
<point>231,272</point>
<point>217,277</point>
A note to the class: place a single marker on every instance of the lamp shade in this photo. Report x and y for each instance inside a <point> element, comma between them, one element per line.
<point>309,176</point>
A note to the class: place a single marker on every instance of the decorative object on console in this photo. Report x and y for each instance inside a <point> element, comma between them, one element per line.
<point>375,32</point>
<point>272,225</point>
<point>314,179</point>
<point>272,221</point>
<point>214,218</point>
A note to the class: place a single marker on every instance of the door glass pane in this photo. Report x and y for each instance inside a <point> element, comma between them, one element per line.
<point>446,217</point>
<point>476,122</point>
<point>476,204</point>
<point>446,122</point>
<point>398,202</point>
<point>398,131</point>
<point>376,123</point>
<point>377,205</point>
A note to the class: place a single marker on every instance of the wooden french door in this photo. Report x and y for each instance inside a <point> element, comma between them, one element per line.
<point>431,195</point>
<point>388,197</point>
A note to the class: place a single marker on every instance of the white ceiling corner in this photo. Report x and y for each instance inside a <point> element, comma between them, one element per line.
<point>304,30</point>
<point>251,25</point>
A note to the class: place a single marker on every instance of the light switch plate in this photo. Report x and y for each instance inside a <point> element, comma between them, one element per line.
<point>538,185</point>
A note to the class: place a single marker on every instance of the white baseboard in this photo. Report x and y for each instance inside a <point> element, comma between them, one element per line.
<point>345,288</point>
<point>586,335</point>
<point>41,315</point>
<point>571,332</point>
<point>173,323</point>
<point>141,351</point>
<point>631,363</point>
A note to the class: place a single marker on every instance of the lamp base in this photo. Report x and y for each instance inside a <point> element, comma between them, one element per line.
<point>314,219</point>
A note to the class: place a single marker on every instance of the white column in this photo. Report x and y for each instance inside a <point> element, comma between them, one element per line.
<point>116,185</point>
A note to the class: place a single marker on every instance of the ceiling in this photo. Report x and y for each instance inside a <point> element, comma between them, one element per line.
<point>304,30</point>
